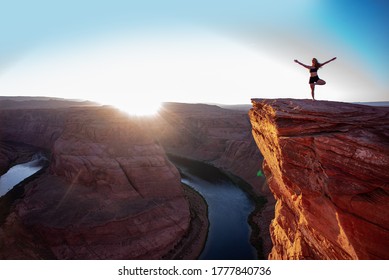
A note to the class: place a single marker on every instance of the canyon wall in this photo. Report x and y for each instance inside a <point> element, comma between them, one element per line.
<point>327,165</point>
<point>214,135</point>
<point>109,193</point>
<point>106,154</point>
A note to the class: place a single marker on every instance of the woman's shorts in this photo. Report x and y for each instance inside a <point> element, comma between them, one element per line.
<point>313,79</point>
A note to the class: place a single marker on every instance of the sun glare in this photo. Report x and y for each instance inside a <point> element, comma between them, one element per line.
<point>134,106</point>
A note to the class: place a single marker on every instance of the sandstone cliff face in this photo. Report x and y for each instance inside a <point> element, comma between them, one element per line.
<point>109,193</point>
<point>327,165</point>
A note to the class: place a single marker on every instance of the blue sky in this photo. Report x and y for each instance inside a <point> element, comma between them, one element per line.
<point>193,51</point>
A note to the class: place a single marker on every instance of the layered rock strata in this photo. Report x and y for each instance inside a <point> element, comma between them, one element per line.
<point>110,191</point>
<point>327,165</point>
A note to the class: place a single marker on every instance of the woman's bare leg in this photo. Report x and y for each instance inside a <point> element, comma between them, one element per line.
<point>321,82</point>
<point>313,90</point>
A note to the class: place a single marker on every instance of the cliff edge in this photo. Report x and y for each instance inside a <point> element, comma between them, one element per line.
<point>327,166</point>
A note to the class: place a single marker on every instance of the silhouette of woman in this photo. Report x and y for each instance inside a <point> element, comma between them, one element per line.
<point>314,79</point>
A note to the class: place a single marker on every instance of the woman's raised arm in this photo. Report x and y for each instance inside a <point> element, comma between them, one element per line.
<point>306,66</point>
<point>332,59</point>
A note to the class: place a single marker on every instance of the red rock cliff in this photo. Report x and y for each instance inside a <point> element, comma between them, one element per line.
<point>327,165</point>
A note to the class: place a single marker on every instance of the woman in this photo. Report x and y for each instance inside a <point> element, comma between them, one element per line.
<point>314,79</point>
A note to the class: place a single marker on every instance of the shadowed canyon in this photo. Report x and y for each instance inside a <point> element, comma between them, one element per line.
<point>109,190</point>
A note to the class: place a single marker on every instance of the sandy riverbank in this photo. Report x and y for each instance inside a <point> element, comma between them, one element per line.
<point>191,246</point>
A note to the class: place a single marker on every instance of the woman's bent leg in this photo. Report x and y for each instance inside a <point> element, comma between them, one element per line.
<point>321,82</point>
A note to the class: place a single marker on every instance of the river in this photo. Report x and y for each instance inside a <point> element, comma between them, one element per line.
<point>228,210</point>
<point>228,205</point>
<point>20,172</point>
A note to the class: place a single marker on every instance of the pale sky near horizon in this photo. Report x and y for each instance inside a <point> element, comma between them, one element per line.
<point>193,51</point>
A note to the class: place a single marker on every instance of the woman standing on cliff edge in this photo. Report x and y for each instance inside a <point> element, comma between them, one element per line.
<point>314,79</point>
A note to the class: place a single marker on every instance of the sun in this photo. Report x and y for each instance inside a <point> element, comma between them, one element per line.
<point>134,106</point>
<point>137,108</point>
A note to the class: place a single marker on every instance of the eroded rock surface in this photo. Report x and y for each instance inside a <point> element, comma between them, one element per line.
<point>109,193</point>
<point>327,165</point>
